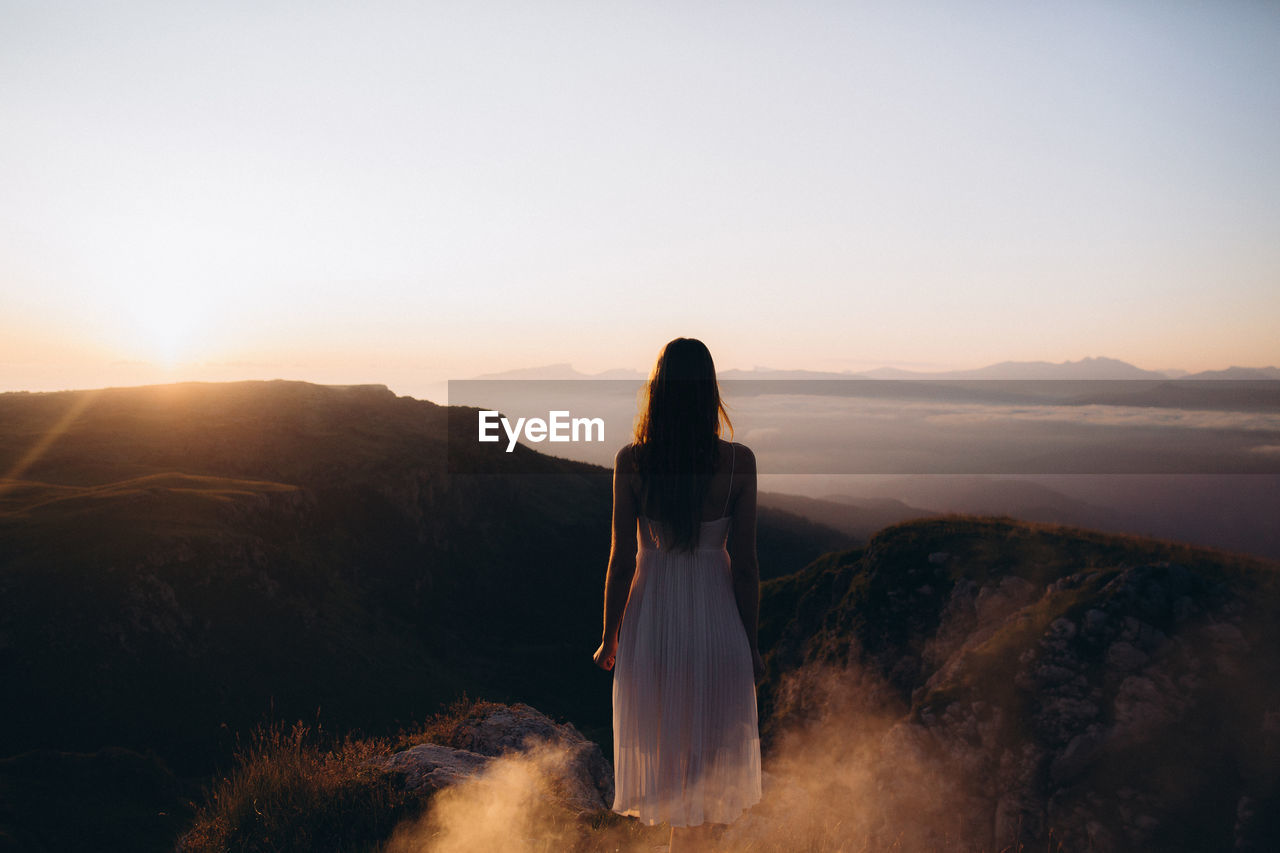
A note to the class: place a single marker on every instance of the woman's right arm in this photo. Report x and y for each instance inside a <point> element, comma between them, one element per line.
<point>742,555</point>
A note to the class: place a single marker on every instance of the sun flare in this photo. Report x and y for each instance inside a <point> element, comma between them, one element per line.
<point>165,326</point>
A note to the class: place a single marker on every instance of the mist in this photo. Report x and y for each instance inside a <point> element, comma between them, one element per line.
<point>844,774</point>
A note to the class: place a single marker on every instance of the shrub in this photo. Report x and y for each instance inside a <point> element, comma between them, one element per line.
<point>289,791</point>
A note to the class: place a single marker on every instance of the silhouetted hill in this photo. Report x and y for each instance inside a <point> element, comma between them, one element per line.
<point>1228,511</point>
<point>784,537</point>
<point>1024,499</point>
<point>853,516</point>
<point>178,561</point>
<point>1119,691</point>
<point>180,557</point>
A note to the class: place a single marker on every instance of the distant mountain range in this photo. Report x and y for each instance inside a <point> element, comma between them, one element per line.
<point>1086,368</point>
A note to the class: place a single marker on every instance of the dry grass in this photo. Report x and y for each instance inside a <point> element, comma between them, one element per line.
<point>289,792</point>
<point>299,788</point>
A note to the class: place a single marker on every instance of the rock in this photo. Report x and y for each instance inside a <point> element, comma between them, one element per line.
<point>1141,708</point>
<point>1096,625</point>
<point>1061,630</point>
<point>1184,608</point>
<point>429,766</point>
<point>1049,674</point>
<point>587,774</point>
<point>1226,637</point>
<point>1125,657</point>
<point>1061,718</point>
<point>579,776</point>
<point>998,601</point>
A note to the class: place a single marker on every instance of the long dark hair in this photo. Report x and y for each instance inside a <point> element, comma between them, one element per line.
<point>680,420</point>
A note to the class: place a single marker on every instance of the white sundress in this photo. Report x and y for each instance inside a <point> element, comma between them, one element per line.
<point>686,743</point>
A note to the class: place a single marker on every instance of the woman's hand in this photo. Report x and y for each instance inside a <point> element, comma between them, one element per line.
<point>606,655</point>
<point>757,664</point>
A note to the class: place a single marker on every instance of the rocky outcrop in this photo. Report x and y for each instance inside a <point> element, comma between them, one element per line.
<point>1091,736</point>
<point>579,777</point>
<point>430,766</point>
<point>1113,704</point>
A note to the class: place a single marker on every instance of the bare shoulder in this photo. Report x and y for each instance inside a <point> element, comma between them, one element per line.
<point>624,459</point>
<point>744,459</point>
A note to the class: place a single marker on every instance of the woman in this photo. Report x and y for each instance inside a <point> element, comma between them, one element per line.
<point>680,613</point>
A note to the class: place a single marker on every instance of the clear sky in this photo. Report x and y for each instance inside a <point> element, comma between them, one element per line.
<point>409,192</point>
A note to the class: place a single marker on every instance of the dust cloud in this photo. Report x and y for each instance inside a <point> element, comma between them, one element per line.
<point>845,775</point>
<point>511,805</point>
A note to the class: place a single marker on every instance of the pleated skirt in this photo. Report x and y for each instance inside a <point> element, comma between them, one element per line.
<point>686,743</point>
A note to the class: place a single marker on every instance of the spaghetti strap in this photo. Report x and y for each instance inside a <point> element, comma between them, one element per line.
<point>732,449</point>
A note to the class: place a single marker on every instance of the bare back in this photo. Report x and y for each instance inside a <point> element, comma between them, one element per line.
<point>723,489</point>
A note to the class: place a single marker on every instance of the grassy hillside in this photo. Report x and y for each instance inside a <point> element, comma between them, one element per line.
<point>179,563</point>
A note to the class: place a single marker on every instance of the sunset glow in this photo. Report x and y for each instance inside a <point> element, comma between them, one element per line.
<point>164,325</point>
<point>393,194</point>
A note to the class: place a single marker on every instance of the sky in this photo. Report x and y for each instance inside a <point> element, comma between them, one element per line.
<point>404,193</point>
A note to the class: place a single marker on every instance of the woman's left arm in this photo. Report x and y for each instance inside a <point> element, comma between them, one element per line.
<point>622,558</point>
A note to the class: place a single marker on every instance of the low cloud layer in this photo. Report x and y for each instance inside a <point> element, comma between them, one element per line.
<point>939,428</point>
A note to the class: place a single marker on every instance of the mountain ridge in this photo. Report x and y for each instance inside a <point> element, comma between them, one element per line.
<point>1004,684</point>
<point>1089,367</point>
